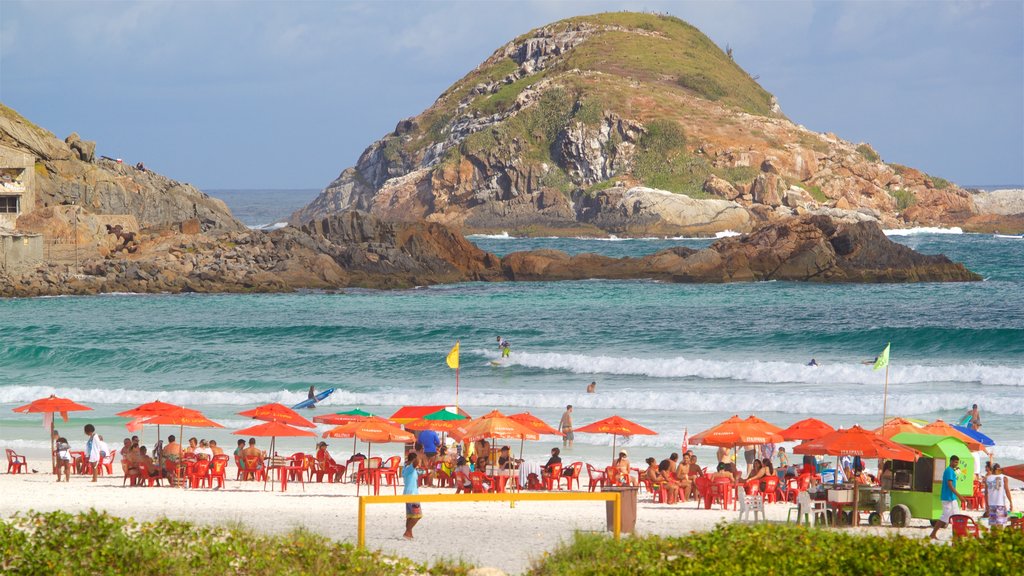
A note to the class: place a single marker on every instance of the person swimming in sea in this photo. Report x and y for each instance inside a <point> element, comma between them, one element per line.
<point>813,362</point>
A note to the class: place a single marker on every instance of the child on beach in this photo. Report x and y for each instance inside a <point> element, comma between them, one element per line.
<point>413,511</point>
<point>63,459</point>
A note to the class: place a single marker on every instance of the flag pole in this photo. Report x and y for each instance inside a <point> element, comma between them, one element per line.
<point>885,394</point>
<point>456,390</point>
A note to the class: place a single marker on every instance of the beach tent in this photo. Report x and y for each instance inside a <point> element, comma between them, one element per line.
<point>47,407</point>
<point>616,426</point>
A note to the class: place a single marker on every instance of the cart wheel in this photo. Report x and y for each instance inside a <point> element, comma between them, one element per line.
<point>874,519</point>
<point>847,519</point>
<point>899,515</point>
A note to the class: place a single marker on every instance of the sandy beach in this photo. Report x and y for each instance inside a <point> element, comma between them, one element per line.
<point>482,533</point>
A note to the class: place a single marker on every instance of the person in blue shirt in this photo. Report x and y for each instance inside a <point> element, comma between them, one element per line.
<point>431,441</point>
<point>950,497</point>
<point>413,511</point>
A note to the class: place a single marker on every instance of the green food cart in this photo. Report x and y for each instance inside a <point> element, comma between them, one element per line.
<point>917,486</point>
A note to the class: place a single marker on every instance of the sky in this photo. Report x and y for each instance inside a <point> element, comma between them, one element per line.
<point>286,95</point>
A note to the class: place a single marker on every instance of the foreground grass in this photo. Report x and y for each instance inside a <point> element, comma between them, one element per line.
<point>768,549</point>
<point>96,543</point>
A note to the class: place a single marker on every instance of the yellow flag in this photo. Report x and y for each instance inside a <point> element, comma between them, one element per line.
<point>883,359</point>
<point>453,357</point>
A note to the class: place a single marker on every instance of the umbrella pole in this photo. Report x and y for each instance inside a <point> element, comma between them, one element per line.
<point>53,454</point>
<point>267,468</point>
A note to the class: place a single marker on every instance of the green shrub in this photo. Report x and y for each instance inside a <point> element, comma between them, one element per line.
<point>662,161</point>
<point>904,198</point>
<point>939,183</point>
<point>738,174</point>
<point>703,85</point>
<point>96,543</point>
<point>780,549</point>
<point>868,153</point>
<point>815,191</point>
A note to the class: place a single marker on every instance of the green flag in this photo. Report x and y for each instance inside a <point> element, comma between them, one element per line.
<point>883,359</point>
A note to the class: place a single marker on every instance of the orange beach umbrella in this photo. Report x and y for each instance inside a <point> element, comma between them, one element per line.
<point>48,406</point>
<point>143,411</point>
<point>736,432</point>
<point>806,429</point>
<point>940,428</point>
<point>370,430</point>
<point>275,412</point>
<point>616,426</point>
<point>272,429</point>
<point>897,425</point>
<point>535,424</point>
<point>763,424</point>
<point>856,441</point>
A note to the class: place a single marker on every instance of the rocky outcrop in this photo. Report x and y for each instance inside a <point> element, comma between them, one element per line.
<point>357,249</point>
<point>67,172</point>
<point>567,109</point>
<point>639,211</point>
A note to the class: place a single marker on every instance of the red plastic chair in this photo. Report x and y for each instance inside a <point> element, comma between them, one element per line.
<point>108,463</point>
<point>252,469</point>
<point>498,482</point>
<point>476,480</point>
<point>197,476</point>
<point>964,526</point>
<point>444,479</point>
<point>794,486</point>
<point>577,467</point>
<point>218,468</point>
<point>771,489</point>
<point>611,477</point>
<point>703,485</point>
<point>722,490</point>
<point>551,476</point>
<point>16,463</point>
<point>595,477</point>
<point>150,477</point>
<point>462,482</point>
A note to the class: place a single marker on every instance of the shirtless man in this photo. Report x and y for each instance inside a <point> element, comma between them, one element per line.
<point>565,425</point>
<point>252,450</point>
<point>592,387</point>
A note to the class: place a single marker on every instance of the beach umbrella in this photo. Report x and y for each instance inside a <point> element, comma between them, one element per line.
<point>340,418</point>
<point>763,423</point>
<point>940,428</point>
<point>535,424</point>
<point>371,430</point>
<point>273,429</point>
<point>734,432</point>
<point>616,426</point>
<point>1015,471</point>
<point>982,438</point>
<point>275,412</point>
<point>407,414</point>
<point>897,425</point>
<point>47,407</point>
<point>143,411</point>
<point>806,429</point>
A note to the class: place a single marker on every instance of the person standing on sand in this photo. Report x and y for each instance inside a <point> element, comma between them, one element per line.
<point>950,498</point>
<point>92,450</point>
<point>565,425</point>
<point>413,511</point>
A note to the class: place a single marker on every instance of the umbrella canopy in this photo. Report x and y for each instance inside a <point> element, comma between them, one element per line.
<point>736,432</point>
<point>494,414</point>
<point>183,417</point>
<point>535,424</point>
<point>763,423</point>
<point>982,438</point>
<point>273,429</point>
<point>407,414</point>
<point>52,404</point>
<point>940,428</point>
<point>616,426</point>
<point>806,429</point>
<point>153,408</point>
<point>1015,471</point>
<point>445,415</point>
<point>48,406</point>
<point>339,418</point>
<point>275,412</point>
<point>440,421</point>
<point>894,426</point>
<point>856,441</point>
<point>493,427</point>
<point>371,430</point>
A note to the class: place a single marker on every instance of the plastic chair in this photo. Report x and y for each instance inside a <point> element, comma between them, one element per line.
<point>150,477</point>
<point>771,489</point>
<point>809,510</point>
<point>964,526</point>
<point>750,504</point>
<point>577,467</point>
<point>108,463</point>
<point>197,476</point>
<point>1017,523</point>
<point>752,487</point>
<point>795,486</point>
<point>551,476</point>
<point>476,481</point>
<point>722,490</point>
<point>218,468</point>
<point>462,482</point>
<point>252,469</point>
<point>16,463</point>
<point>595,477</point>
<point>611,477</point>
<point>444,479</point>
<point>353,465</point>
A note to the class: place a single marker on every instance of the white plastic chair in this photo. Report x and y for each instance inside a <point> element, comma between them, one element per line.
<point>809,510</point>
<point>751,504</point>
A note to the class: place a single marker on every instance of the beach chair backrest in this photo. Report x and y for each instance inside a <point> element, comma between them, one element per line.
<point>373,462</point>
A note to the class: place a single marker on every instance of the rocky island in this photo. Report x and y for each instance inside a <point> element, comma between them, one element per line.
<point>632,124</point>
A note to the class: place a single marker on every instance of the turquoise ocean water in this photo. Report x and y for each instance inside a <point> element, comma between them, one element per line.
<point>665,355</point>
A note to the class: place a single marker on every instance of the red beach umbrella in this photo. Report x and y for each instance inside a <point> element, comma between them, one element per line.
<point>535,424</point>
<point>273,429</point>
<point>275,412</point>
<point>48,406</point>
<point>894,426</point>
<point>370,430</point>
<point>616,426</point>
<point>1015,471</point>
<point>143,411</point>
<point>736,432</point>
<point>856,441</point>
<point>806,429</point>
<point>940,428</point>
<point>182,417</point>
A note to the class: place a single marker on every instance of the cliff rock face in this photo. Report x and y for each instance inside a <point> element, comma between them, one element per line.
<point>529,140</point>
<point>67,172</point>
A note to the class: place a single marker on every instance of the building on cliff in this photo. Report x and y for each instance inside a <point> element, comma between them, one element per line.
<point>19,251</point>
<point>17,194</point>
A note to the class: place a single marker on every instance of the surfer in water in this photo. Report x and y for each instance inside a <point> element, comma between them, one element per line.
<point>813,362</point>
<point>312,393</point>
<point>504,346</point>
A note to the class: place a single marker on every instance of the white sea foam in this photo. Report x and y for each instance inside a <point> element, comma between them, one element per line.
<point>922,230</point>
<point>726,234</point>
<point>762,371</point>
<point>268,227</point>
<point>502,236</point>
